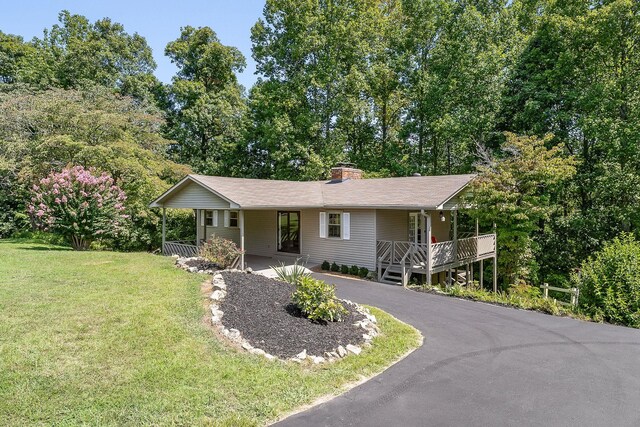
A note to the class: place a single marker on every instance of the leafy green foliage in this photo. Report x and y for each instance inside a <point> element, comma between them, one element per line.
<point>335,267</point>
<point>317,300</point>
<point>326,266</point>
<point>45,130</point>
<point>291,273</point>
<point>206,110</point>
<point>220,251</point>
<point>363,272</point>
<point>609,282</point>
<point>511,192</point>
<point>353,270</point>
<point>344,269</point>
<point>519,296</point>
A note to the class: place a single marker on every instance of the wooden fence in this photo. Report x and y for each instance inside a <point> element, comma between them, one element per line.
<point>574,292</point>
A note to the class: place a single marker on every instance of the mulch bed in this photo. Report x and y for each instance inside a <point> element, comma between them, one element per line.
<point>261,309</point>
<point>202,264</point>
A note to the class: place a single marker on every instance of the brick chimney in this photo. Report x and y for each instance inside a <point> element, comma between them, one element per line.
<point>344,171</point>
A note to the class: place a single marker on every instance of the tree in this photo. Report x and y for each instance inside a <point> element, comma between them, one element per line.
<point>207,105</point>
<point>79,204</point>
<point>47,130</point>
<point>512,192</point>
<point>578,79</point>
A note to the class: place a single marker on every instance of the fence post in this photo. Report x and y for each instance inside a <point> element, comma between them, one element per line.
<point>545,287</point>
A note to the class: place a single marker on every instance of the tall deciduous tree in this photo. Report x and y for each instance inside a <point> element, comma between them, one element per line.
<point>512,192</point>
<point>207,104</point>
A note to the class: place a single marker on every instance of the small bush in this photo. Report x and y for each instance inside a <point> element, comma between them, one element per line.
<point>523,290</point>
<point>317,300</point>
<point>326,266</point>
<point>354,270</point>
<point>609,282</point>
<point>344,269</point>
<point>363,272</point>
<point>222,252</point>
<point>291,273</point>
<point>335,267</point>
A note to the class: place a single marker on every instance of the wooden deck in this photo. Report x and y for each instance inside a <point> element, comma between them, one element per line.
<point>398,260</point>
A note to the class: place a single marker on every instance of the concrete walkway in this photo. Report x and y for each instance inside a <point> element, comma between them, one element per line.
<point>483,365</point>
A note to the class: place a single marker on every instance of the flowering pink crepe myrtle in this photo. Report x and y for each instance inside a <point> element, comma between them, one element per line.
<point>80,204</point>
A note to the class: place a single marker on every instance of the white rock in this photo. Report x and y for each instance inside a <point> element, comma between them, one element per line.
<point>234,334</point>
<point>302,355</point>
<point>367,337</point>
<point>354,349</point>
<point>317,359</point>
<point>175,256</point>
<point>257,351</point>
<point>217,276</point>
<point>247,346</point>
<point>193,269</point>
<point>371,317</point>
<point>341,351</point>
<point>218,295</point>
<point>216,314</point>
<point>270,356</point>
<point>248,270</point>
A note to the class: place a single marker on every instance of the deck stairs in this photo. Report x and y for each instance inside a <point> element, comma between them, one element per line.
<point>392,275</point>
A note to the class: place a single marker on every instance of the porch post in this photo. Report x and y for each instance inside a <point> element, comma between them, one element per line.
<point>495,273</point>
<point>481,273</point>
<point>455,236</point>
<point>495,262</point>
<point>428,238</point>
<point>164,228</point>
<point>241,224</point>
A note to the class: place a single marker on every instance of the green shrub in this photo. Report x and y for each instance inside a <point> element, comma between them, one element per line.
<point>523,290</point>
<point>344,269</point>
<point>354,270</point>
<point>609,282</point>
<point>317,300</point>
<point>363,272</point>
<point>291,273</point>
<point>335,267</point>
<point>222,252</point>
<point>326,266</point>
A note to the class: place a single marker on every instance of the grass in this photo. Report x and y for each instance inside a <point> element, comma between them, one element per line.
<point>107,338</point>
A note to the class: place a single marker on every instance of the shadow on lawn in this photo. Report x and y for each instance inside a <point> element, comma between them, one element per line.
<point>30,245</point>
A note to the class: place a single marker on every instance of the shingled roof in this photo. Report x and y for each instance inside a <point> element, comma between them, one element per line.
<point>415,192</point>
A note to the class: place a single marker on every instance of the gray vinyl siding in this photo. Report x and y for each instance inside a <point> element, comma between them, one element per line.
<point>231,233</point>
<point>392,224</point>
<point>360,249</point>
<point>260,232</point>
<point>196,197</point>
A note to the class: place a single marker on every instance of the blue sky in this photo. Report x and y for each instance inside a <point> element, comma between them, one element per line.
<point>158,21</point>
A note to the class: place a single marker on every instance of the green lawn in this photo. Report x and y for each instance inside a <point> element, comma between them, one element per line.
<point>107,338</point>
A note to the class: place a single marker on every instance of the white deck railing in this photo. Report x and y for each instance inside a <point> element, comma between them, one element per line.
<point>442,253</point>
<point>183,248</point>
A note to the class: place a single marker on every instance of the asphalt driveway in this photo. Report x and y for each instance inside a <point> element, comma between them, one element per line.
<point>484,365</point>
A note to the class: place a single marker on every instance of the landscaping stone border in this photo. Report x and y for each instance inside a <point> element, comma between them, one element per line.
<point>182,262</point>
<point>368,325</point>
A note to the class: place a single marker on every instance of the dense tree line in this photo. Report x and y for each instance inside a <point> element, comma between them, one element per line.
<point>398,87</point>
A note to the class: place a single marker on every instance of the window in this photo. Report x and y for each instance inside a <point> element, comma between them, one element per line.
<point>233,218</point>
<point>208,218</point>
<point>335,228</point>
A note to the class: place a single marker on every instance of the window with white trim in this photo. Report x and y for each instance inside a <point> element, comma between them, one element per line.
<point>334,225</point>
<point>233,218</point>
<point>208,218</point>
